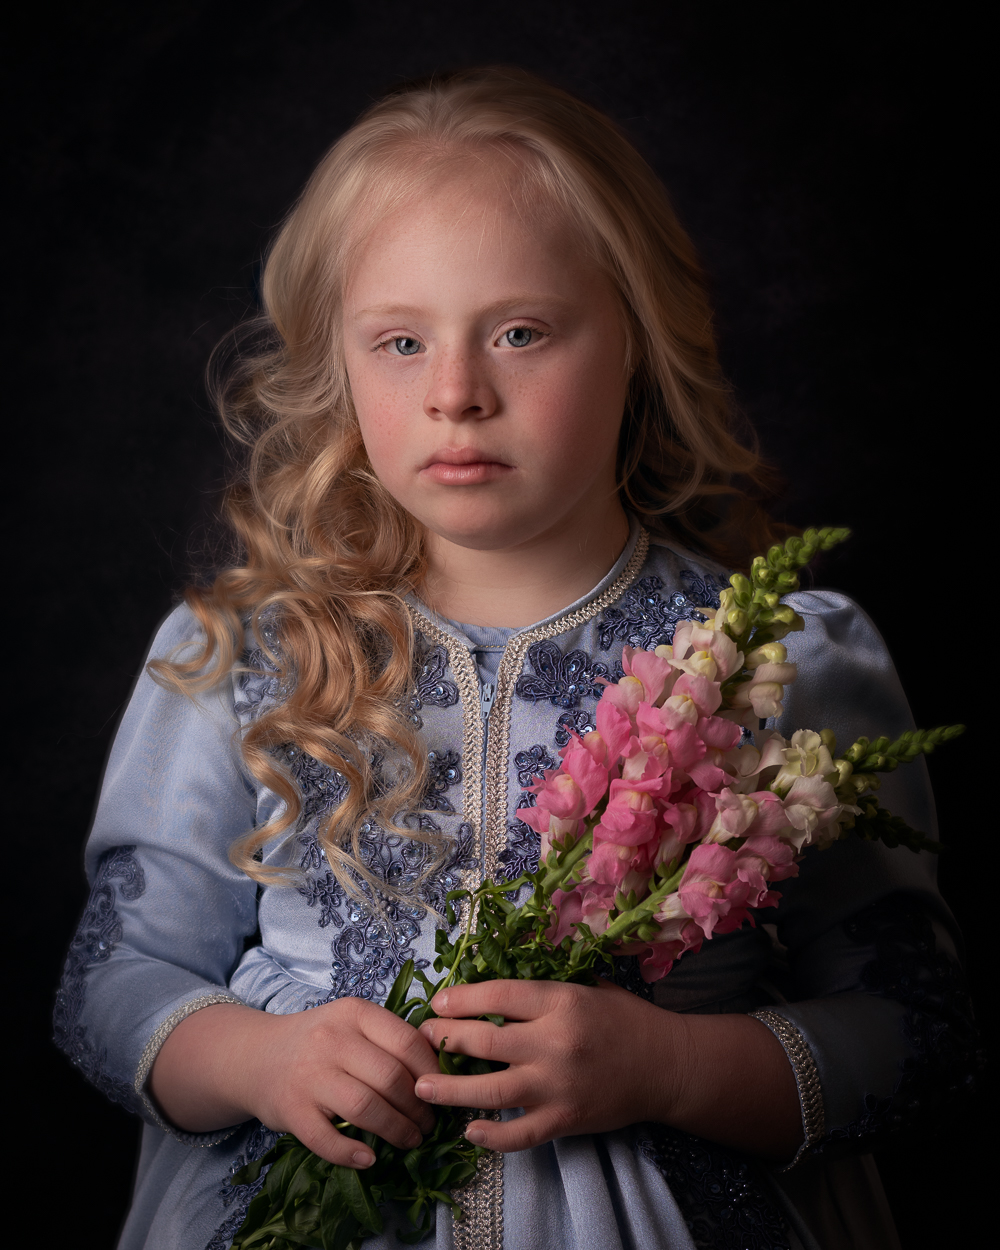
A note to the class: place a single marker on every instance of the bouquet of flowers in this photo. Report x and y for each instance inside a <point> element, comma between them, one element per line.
<point>668,823</point>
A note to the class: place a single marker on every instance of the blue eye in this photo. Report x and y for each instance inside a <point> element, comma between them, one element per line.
<point>405,346</point>
<point>520,336</point>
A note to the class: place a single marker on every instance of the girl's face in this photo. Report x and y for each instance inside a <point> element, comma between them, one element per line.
<point>486,358</point>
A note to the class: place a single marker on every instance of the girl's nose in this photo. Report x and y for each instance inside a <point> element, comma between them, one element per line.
<point>459,389</point>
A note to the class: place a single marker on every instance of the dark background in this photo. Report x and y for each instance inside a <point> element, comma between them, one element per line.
<point>825,160</point>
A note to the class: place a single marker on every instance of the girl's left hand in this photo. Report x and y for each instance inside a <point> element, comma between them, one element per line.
<point>581,1059</point>
<point>585,1059</point>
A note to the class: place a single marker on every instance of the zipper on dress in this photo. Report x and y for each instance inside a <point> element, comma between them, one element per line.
<point>487,693</point>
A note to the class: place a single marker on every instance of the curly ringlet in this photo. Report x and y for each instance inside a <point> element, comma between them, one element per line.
<point>324,548</point>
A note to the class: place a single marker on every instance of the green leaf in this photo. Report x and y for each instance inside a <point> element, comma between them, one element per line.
<point>358,1199</point>
<point>400,986</point>
<point>304,1182</point>
<point>283,1171</point>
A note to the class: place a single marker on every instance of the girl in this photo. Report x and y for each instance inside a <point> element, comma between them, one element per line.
<point>489,447</point>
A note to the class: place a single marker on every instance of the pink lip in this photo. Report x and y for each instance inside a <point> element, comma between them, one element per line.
<point>463,466</point>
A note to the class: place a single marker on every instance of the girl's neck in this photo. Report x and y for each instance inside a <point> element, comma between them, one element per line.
<point>518,586</point>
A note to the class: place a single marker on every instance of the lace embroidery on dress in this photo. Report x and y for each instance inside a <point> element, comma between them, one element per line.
<point>431,687</point>
<point>239,1197</point>
<point>562,679</point>
<point>523,844</point>
<point>571,723</point>
<point>376,933</point>
<point>645,618</point>
<point>725,1204</point>
<point>938,1024</point>
<point>97,935</point>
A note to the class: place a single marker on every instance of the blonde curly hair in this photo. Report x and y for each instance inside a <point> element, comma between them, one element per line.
<point>325,549</point>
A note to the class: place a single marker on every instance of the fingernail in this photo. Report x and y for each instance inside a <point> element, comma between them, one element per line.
<point>414,1140</point>
<point>363,1158</point>
<point>476,1136</point>
<point>425,1090</point>
<point>440,1003</point>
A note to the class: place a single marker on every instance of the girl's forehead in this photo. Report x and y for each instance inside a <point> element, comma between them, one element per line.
<point>494,189</point>
<point>471,205</point>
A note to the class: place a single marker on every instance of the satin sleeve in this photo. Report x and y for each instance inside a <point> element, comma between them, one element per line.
<point>877,1005</point>
<point>168,914</point>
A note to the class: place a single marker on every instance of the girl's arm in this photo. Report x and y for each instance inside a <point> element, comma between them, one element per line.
<point>346,1060</point>
<point>145,1009</point>
<point>877,996</point>
<point>588,1060</point>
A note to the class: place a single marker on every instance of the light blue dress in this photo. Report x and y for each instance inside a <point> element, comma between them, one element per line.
<point>855,972</point>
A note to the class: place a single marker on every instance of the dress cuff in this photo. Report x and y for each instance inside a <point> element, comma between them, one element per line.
<point>149,1056</point>
<point>803,1065</point>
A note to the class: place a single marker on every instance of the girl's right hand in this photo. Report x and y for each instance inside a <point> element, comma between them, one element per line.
<point>346,1060</point>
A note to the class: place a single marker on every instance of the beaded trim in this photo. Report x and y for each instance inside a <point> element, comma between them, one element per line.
<point>482,1198</point>
<point>149,1055</point>
<point>807,1081</point>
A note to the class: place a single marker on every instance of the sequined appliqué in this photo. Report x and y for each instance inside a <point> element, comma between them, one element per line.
<point>376,935</point>
<point>97,935</point>
<point>322,788</point>
<point>725,1204</point>
<point>644,618</point>
<point>562,679</point>
<point>239,1197</point>
<point>444,772</point>
<point>521,853</point>
<point>432,688</point>
<point>533,763</point>
<point>572,723</point>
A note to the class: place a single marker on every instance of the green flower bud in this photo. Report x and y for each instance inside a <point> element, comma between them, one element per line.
<point>737,621</point>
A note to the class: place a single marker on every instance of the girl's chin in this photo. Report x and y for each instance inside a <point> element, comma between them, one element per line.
<point>484,533</point>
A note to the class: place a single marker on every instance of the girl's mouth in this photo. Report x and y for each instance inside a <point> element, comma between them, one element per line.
<point>463,467</point>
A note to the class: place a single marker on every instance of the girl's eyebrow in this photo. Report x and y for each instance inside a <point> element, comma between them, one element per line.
<point>508,304</point>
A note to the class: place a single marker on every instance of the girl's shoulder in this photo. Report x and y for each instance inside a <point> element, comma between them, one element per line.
<point>698,577</point>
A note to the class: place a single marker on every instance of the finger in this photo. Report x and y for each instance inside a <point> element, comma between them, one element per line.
<point>386,1030</point>
<point>356,1102</point>
<point>316,1132</point>
<point>531,1129</point>
<point>480,1039</point>
<point>515,1000</point>
<point>492,1091</point>
<point>378,1070</point>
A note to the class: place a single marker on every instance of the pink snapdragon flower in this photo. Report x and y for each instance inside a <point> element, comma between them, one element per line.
<point>761,697</point>
<point>703,650</point>
<point>656,673</point>
<point>572,791</point>
<point>589,903</point>
<point>812,810</point>
<point>670,736</point>
<point>610,739</point>
<point>694,697</point>
<point>711,891</point>
<point>762,860</point>
<point>630,816</point>
<point>735,813</point>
